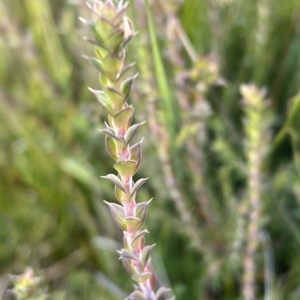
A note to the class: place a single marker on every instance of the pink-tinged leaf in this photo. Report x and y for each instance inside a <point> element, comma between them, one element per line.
<point>111,147</point>
<point>122,119</point>
<point>117,212</point>
<point>141,211</point>
<point>160,292</point>
<point>137,241</point>
<point>126,168</point>
<point>131,132</point>
<point>137,185</point>
<point>136,152</point>
<point>128,265</point>
<point>104,101</point>
<point>121,12</point>
<point>115,180</point>
<point>136,295</point>
<point>128,254</point>
<point>145,255</point>
<point>142,277</point>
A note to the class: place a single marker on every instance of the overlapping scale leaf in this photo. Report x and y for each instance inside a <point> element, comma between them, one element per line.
<point>123,118</point>
<point>126,168</point>
<point>117,212</point>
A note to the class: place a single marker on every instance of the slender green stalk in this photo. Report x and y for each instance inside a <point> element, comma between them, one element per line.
<point>112,30</point>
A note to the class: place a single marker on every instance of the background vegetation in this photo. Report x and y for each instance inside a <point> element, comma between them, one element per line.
<point>192,56</point>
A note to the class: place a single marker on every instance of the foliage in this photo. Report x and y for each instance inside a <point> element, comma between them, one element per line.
<point>192,57</point>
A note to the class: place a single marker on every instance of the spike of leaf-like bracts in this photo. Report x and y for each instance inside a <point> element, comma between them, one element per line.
<point>131,132</point>
<point>118,215</point>
<point>115,180</point>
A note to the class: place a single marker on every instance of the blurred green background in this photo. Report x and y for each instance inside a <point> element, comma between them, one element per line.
<point>192,62</point>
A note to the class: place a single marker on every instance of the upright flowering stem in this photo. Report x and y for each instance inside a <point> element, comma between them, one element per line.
<point>111,31</point>
<point>255,127</point>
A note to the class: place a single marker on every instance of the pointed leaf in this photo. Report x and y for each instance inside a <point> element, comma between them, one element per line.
<point>115,180</point>
<point>126,168</point>
<point>118,194</point>
<point>126,243</point>
<point>141,211</point>
<point>146,254</point>
<point>133,224</point>
<point>142,277</point>
<point>95,62</point>
<point>112,134</point>
<point>117,212</point>
<point>115,40</point>
<point>122,73</point>
<point>116,98</point>
<point>136,295</point>
<point>111,147</point>
<point>123,118</point>
<point>127,263</point>
<point>112,66</point>
<point>128,254</point>
<point>136,152</point>
<point>136,242</point>
<point>126,86</point>
<point>160,292</point>
<point>131,132</point>
<point>98,44</point>
<point>104,101</point>
<point>137,185</point>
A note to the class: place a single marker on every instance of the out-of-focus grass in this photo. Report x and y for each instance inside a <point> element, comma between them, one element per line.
<point>52,155</point>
